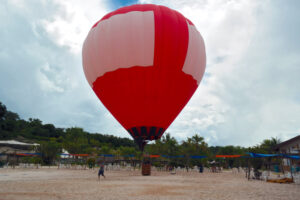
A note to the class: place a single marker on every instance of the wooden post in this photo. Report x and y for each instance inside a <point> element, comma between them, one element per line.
<point>248,170</point>
<point>14,160</point>
<point>281,164</point>
<point>291,168</point>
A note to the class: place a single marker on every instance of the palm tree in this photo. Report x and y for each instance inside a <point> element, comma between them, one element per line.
<point>268,145</point>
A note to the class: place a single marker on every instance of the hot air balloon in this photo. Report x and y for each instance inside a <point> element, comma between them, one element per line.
<point>144,62</point>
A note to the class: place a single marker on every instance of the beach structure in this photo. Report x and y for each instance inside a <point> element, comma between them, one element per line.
<point>10,149</point>
<point>291,147</point>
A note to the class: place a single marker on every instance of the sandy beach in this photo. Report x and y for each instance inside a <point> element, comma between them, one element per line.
<point>83,184</point>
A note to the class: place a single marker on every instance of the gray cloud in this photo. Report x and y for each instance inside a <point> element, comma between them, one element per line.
<point>43,79</point>
<point>262,92</point>
<point>250,91</point>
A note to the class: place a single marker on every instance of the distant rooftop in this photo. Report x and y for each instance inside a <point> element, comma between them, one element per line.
<point>15,142</point>
<point>287,142</point>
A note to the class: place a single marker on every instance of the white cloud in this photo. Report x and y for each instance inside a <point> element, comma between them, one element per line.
<point>41,70</point>
<point>70,24</point>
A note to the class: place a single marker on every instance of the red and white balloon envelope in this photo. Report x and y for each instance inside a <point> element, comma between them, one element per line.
<point>144,62</point>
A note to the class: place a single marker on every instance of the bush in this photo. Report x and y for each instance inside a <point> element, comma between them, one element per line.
<point>91,162</point>
<point>2,163</point>
<point>49,151</point>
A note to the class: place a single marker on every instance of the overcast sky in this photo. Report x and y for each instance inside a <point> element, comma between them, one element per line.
<point>250,90</point>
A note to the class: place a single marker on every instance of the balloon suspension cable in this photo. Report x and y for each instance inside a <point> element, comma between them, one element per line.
<point>141,143</point>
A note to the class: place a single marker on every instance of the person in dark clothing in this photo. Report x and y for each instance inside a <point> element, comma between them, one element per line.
<point>101,171</point>
<point>201,168</point>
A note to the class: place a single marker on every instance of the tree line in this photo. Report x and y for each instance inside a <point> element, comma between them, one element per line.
<point>77,141</point>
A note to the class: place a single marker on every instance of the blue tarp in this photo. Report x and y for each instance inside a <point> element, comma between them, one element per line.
<point>197,157</point>
<point>128,156</point>
<point>291,156</point>
<point>260,155</point>
<point>107,155</point>
<point>166,156</point>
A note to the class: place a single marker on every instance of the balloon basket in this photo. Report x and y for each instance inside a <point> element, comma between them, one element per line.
<point>146,166</point>
<point>146,169</point>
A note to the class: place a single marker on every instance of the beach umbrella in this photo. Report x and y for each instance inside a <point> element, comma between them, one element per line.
<point>144,62</point>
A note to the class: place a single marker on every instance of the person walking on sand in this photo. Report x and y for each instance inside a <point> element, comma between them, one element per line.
<point>101,171</point>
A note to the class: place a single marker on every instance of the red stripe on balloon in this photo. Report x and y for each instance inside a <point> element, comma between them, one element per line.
<point>171,43</point>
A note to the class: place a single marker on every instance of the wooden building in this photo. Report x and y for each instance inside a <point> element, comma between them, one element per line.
<point>10,148</point>
<point>290,147</point>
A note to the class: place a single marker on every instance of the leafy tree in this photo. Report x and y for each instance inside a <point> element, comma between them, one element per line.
<point>76,141</point>
<point>268,145</point>
<point>3,111</point>
<point>105,149</point>
<point>12,127</point>
<point>49,151</point>
<point>91,162</point>
<point>35,122</point>
<point>191,147</point>
<point>155,148</point>
<point>124,151</point>
<point>170,145</point>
